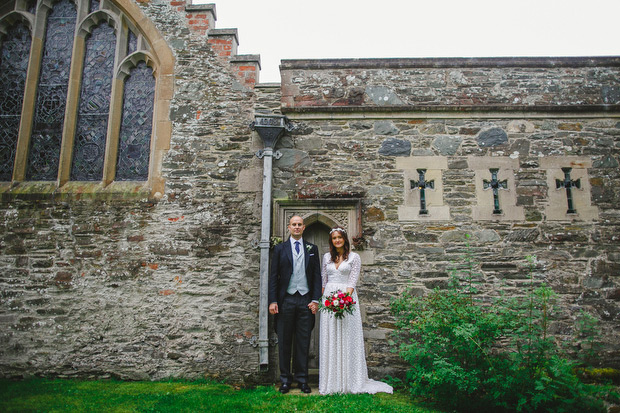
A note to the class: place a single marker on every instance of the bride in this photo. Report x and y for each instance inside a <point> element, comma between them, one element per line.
<point>342,360</point>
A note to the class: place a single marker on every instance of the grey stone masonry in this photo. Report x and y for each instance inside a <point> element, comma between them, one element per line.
<point>463,83</point>
<point>140,287</point>
<point>526,119</point>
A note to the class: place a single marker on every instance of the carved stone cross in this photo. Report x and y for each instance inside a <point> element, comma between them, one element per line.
<point>496,185</point>
<point>422,184</point>
<point>569,185</point>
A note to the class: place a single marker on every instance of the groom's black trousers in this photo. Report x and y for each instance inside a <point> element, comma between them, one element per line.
<point>295,322</point>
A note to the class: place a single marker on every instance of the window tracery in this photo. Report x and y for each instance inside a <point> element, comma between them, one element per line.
<point>94,106</point>
<point>49,112</point>
<point>135,136</point>
<point>69,127</point>
<point>14,51</point>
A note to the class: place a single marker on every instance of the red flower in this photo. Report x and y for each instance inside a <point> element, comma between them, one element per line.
<point>338,303</point>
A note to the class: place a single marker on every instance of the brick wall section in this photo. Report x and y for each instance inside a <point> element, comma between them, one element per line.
<point>224,42</point>
<point>494,82</point>
<point>179,5</point>
<point>248,69</point>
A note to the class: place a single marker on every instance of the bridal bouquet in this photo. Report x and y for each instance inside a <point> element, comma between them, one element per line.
<point>338,303</point>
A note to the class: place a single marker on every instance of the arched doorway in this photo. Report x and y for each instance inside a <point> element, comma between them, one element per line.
<point>316,233</point>
<point>319,216</point>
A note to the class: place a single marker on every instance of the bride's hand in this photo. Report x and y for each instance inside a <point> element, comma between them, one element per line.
<point>313,307</point>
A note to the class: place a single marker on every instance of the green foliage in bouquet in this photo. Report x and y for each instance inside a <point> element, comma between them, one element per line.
<point>339,303</point>
<point>469,355</point>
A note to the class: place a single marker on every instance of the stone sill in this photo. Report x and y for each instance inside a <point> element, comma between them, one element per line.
<point>75,191</point>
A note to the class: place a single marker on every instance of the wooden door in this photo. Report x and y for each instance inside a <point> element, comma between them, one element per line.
<point>317,233</point>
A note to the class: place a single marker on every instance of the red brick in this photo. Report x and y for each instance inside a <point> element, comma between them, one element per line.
<point>219,41</point>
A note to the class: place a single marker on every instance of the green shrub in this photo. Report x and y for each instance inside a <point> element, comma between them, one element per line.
<point>471,356</point>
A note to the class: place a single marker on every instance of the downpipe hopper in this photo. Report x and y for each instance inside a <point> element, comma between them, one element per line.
<point>270,128</point>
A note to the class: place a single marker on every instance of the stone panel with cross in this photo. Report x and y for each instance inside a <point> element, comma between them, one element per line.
<point>568,188</point>
<point>496,197</point>
<point>423,198</point>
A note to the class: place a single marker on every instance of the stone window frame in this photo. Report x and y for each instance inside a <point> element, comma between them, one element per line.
<point>123,15</point>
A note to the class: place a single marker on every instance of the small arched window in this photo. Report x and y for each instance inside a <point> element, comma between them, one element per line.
<point>78,93</point>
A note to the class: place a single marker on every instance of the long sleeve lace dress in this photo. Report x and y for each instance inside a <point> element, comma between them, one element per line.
<point>342,359</point>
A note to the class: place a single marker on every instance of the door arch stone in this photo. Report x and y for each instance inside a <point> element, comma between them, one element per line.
<point>345,213</point>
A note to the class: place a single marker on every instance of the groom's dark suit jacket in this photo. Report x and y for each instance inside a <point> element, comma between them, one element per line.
<point>282,269</point>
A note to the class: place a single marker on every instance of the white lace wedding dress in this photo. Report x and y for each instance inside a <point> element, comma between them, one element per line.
<point>342,360</point>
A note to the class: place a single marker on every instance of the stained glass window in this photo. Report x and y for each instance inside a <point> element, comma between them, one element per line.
<point>44,152</point>
<point>94,5</point>
<point>89,90</point>
<point>94,107</point>
<point>132,43</point>
<point>136,125</point>
<point>14,51</point>
<point>32,6</point>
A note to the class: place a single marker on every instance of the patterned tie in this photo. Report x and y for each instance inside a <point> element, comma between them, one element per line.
<point>297,247</point>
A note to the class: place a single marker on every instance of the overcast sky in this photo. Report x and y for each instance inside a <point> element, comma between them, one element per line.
<point>300,29</point>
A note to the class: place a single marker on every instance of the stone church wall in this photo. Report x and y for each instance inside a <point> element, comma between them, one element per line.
<point>138,287</point>
<point>364,128</point>
<point>167,285</point>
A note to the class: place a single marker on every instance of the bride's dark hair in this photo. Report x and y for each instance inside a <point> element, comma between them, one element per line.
<point>332,249</point>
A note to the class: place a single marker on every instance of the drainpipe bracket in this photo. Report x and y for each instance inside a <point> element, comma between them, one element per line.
<point>254,243</point>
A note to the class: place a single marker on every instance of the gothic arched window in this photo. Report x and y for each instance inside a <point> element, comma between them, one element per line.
<point>49,111</point>
<point>94,106</point>
<point>135,136</point>
<point>80,105</point>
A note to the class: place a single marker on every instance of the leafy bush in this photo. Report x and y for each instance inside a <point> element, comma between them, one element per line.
<point>471,356</point>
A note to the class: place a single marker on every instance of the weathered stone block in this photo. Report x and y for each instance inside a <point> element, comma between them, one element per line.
<point>292,159</point>
<point>447,145</point>
<point>382,96</point>
<point>492,137</point>
<point>607,161</point>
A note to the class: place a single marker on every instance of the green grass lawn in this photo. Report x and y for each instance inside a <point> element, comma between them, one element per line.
<point>42,395</point>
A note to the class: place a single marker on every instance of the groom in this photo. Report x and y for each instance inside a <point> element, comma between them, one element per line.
<point>294,294</point>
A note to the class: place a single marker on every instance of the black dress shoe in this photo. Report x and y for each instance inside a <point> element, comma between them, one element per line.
<point>305,388</point>
<point>285,388</point>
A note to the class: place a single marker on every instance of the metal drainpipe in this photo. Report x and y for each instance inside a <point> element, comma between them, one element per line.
<point>269,128</point>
